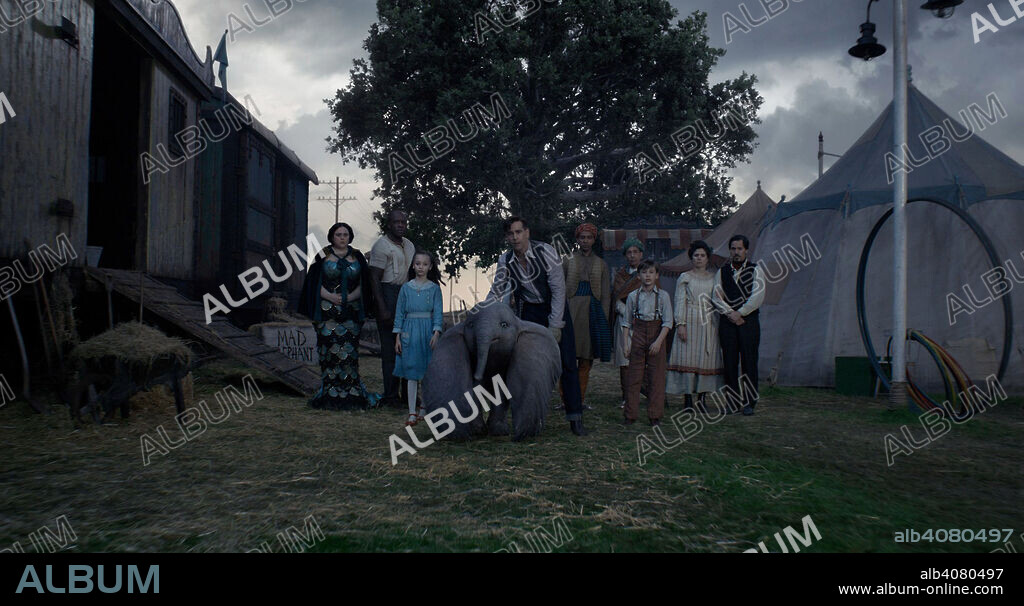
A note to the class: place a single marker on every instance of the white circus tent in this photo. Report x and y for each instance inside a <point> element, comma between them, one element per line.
<point>810,315</point>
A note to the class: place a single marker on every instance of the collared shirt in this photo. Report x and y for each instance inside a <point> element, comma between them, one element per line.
<point>504,282</point>
<point>752,303</point>
<point>651,305</point>
<point>395,260</point>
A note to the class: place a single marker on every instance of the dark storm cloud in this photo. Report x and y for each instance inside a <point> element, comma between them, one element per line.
<point>306,138</point>
<point>799,56</point>
<point>321,36</point>
<point>786,159</point>
<point>316,36</point>
<point>947,66</point>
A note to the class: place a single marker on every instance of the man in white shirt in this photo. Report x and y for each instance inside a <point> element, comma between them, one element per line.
<point>532,273</point>
<point>738,293</point>
<point>389,261</point>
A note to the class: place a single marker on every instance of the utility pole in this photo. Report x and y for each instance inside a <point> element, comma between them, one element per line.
<point>337,195</point>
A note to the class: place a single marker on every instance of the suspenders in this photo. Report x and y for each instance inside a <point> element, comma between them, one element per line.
<point>657,309</point>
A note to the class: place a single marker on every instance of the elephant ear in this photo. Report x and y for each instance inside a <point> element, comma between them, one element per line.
<point>449,376</point>
<point>532,374</point>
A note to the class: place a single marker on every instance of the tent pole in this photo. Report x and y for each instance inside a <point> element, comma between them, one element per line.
<point>898,393</point>
<point>821,154</point>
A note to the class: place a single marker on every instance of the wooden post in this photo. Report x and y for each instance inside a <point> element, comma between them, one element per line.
<point>53,330</point>
<point>141,289</point>
<point>109,283</point>
<point>42,328</point>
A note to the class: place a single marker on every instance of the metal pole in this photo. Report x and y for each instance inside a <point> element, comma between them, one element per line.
<point>898,393</point>
<point>821,154</point>
<point>25,377</point>
<point>337,197</point>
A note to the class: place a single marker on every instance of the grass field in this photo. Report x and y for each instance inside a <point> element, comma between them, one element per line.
<point>273,464</point>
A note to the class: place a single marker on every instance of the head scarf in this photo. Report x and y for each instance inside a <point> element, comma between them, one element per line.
<point>586,227</point>
<point>632,242</point>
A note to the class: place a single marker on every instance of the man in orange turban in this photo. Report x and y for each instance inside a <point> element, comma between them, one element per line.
<point>588,286</point>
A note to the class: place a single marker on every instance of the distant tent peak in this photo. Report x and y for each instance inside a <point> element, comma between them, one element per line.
<point>967,171</point>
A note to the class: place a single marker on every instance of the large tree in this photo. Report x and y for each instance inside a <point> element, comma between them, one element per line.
<point>557,110</point>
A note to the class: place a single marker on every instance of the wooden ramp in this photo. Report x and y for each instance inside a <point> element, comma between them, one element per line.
<point>165,301</point>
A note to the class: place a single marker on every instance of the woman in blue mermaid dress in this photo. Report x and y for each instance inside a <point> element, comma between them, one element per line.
<point>337,282</point>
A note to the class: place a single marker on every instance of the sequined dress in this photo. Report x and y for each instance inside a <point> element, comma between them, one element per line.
<point>337,341</point>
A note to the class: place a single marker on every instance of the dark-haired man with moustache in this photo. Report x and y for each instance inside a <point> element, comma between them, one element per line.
<point>738,293</point>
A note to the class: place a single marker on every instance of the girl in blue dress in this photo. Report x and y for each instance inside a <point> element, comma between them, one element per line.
<point>418,320</point>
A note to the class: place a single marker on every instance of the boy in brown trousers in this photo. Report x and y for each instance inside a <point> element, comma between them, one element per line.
<point>644,327</point>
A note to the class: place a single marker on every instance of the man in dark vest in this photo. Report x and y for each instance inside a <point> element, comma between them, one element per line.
<point>531,274</point>
<point>738,293</point>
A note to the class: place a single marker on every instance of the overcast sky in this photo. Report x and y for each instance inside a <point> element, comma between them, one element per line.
<point>808,81</point>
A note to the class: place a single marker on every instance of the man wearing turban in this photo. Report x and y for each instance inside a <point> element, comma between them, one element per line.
<point>625,281</point>
<point>588,279</point>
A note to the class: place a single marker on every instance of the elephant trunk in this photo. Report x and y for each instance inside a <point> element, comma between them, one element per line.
<point>484,337</point>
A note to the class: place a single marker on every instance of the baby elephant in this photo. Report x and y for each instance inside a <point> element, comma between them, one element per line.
<point>493,341</point>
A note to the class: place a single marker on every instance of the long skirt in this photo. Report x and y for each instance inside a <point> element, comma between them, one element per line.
<point>593,336</point>
<point>337,341</point>
<point>695,366</point>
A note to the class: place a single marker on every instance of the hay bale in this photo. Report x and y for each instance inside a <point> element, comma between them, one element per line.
<point>161,397</point>
<point>135,344</point>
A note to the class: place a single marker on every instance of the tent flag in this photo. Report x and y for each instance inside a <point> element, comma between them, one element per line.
<point>222,56</point>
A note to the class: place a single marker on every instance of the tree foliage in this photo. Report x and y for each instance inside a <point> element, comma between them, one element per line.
<point>597,92</point>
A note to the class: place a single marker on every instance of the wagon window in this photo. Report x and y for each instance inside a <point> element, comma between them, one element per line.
<point>176,122</point>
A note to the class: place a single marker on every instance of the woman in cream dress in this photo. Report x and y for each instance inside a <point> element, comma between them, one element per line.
<point>695,366</point>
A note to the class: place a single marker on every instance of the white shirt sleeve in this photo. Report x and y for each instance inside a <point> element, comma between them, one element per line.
<point>378,257</point>
<point>625,318</point>
<point>680,305</point>
<point>756,293</point>
<point>556,282</point>
<point>665,305</point>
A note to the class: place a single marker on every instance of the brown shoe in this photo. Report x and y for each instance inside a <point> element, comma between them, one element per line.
<point>628,421</point>
<point>655,422</point>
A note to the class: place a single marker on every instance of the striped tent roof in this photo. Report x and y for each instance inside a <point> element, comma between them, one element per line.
<point>679,239</point>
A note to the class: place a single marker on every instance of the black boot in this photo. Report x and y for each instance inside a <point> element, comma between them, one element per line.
<point>687,401</point>
<point>577,427</point>
<point>700,404</point>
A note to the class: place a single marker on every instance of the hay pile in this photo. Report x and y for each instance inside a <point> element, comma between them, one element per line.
<point>161,397</point>
<point>135,344</point>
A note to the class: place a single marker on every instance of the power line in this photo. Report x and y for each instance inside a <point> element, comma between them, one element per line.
<point>337,195</point>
